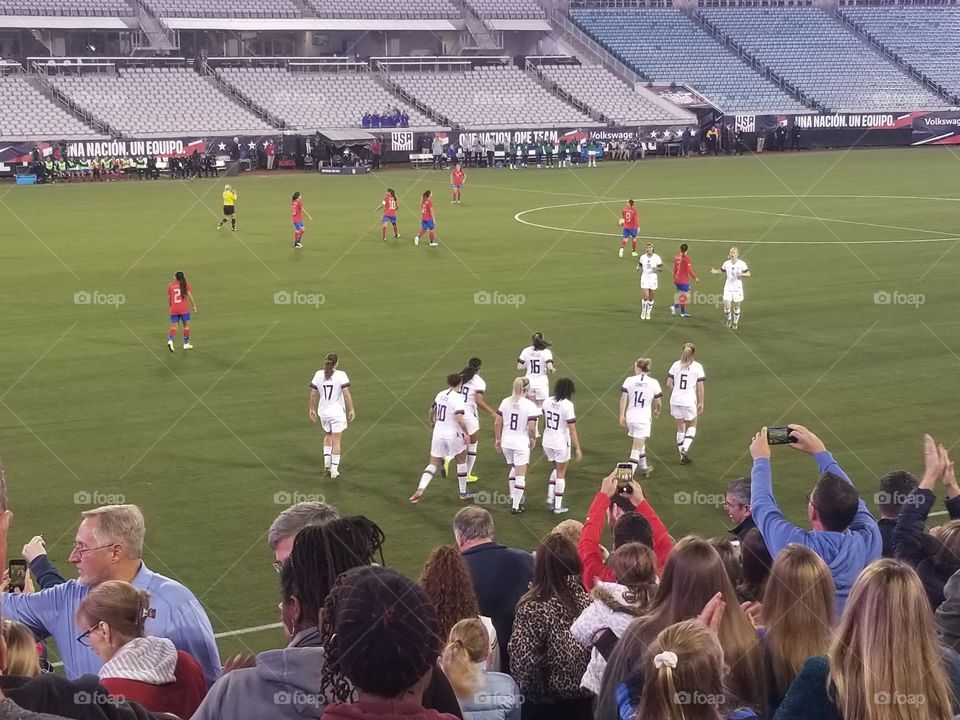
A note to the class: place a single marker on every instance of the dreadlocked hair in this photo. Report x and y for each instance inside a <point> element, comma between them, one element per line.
<point>321,553</point>
<point>447,581</point>
<point>379,633</point>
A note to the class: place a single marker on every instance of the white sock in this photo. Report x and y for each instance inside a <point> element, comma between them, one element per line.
<point>334,462</point>
<point>680,437</point>
<point>426,477</point>
<point>519,483</point>
<point>635,459</point>
<point>552,485</point>
<point>727,313</point>
<point>471,457</point>
<point>326,456</point>
<point>558,493</point>
<point>736,317</point>
<point>462,477</point>
<point>649,307</point>
<point>688,439</point>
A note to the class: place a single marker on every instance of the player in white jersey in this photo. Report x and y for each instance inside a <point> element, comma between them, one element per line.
<point>639,404</point>
<point>685,380</point>
<point>515,430</point>
<point>537,360</point>
<point>649,266</point>
<point>559,431</point>
<point>735,269</point>
<point>473,389</point>
<point>449,437</point>
<point>332,406</point>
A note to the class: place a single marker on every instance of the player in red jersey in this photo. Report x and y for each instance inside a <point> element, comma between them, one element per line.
<point>179,295</point>
<point>297,212</point>
<point>428,222</point>
<point>390,205</point>
<point>682,272</point>
<point>630,222</point>
<point>456,179</point>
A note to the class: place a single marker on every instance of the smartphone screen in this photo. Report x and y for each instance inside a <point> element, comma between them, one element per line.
<point>18,574</point>
<point>624,473</point>
<point>778,436</point>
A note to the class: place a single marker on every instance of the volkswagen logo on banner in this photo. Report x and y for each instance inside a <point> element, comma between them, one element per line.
<point>746,123</point>
<point>401,141</point>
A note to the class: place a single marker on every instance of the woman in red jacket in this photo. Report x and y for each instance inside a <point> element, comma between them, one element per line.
<point>147,670</point>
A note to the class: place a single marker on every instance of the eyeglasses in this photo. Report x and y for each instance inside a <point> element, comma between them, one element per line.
<point>85,638</point>
<point>81,551</point>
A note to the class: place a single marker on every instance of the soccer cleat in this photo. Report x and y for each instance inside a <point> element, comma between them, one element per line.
<point>472,478</point>
<point>220,226</point>
<point>395,236</point>
<point>635,254</point>
<point>415,498</point>
<point>187,346</point>
<point>727,322</point>
<point>297,246</point>
<point>416,240</point>
<point>433,243</point>
<point>560,510</point>
<point>735,326</point>
<point>466,497</point>
<point>334,474</point>
<point>647,471</point>
<point>684,458</point>
<point>620,254</point>
<point>685,314</point>
<point>170,345</point>
<point>518,511</point>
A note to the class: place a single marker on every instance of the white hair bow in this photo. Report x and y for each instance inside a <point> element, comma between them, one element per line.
<point>665,659</point>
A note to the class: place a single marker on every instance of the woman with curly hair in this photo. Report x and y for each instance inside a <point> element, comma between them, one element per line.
<point>447,581</point>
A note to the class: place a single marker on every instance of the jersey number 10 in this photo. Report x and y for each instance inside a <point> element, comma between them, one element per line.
<point>441,412</point>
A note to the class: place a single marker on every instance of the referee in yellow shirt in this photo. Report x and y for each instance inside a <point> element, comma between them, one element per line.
<point>229,208</point>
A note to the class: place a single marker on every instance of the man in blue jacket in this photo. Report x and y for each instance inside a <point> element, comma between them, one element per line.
<point>844,533</point>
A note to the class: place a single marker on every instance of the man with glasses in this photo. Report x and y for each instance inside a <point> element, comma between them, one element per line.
<point>295,518</point>
<point>109,546</point>
<point>737,504</point>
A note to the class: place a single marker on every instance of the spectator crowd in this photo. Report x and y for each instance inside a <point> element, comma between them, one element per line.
<point>845,618</point>
<point>388,119</point>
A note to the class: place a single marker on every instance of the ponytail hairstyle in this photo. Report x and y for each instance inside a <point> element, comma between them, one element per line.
<point>520,386</point>
<point>564,389</point>
<point>686,355</point>
<point>643,365</point>
<point>183,283</point>
<point>120,605</point>
<point>472,368</point>
<point>426,194</point>
<point>329,365</point>
<point>538,342</point>
<point>684,662</point>
<point>630,202</point>
<point>296,196</point>
<point>392,192</point>
<point>467,647</point>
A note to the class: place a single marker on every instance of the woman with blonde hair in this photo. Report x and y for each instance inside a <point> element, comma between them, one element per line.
<point>885,660</point>
<point>693,575</point>
<point>22,658</point>
<point>799,611</point>
<point>685,380</point>
<point>639,403</point>
<point>615,605</point>
<point>483,693</point>
<point>148,670</point>
<point>515,433</point>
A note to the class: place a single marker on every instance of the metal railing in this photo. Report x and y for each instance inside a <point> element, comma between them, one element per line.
<point>381,65</point>
<point>256,107</point>
<point>40,71</point>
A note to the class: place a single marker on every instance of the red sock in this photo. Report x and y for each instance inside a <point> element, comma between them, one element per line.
<point>634,245</point>
<point>623,243</point>
<point>433,236</point>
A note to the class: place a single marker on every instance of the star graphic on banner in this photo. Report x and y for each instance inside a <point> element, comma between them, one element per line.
<point>222,146</point>
<point>251,145</point>
<point>265,143</point>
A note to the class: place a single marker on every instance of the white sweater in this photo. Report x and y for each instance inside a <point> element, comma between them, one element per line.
<point>593,620</point>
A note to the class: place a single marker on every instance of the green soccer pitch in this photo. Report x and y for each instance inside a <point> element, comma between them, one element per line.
<point>850,326</point>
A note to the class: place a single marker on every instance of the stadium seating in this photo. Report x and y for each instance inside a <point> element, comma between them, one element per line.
<point>317,99</point>
<point>490,97</point>
<point>513,9</point>
<point>820,56</point>
<point>604,92</point>
<point>667,46</point>
<point>927,38</point>
<point>36,115</point>
<point>98,8</point>
<point>234,8</point>
<point>404,9</point>
<point>159,100</point>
